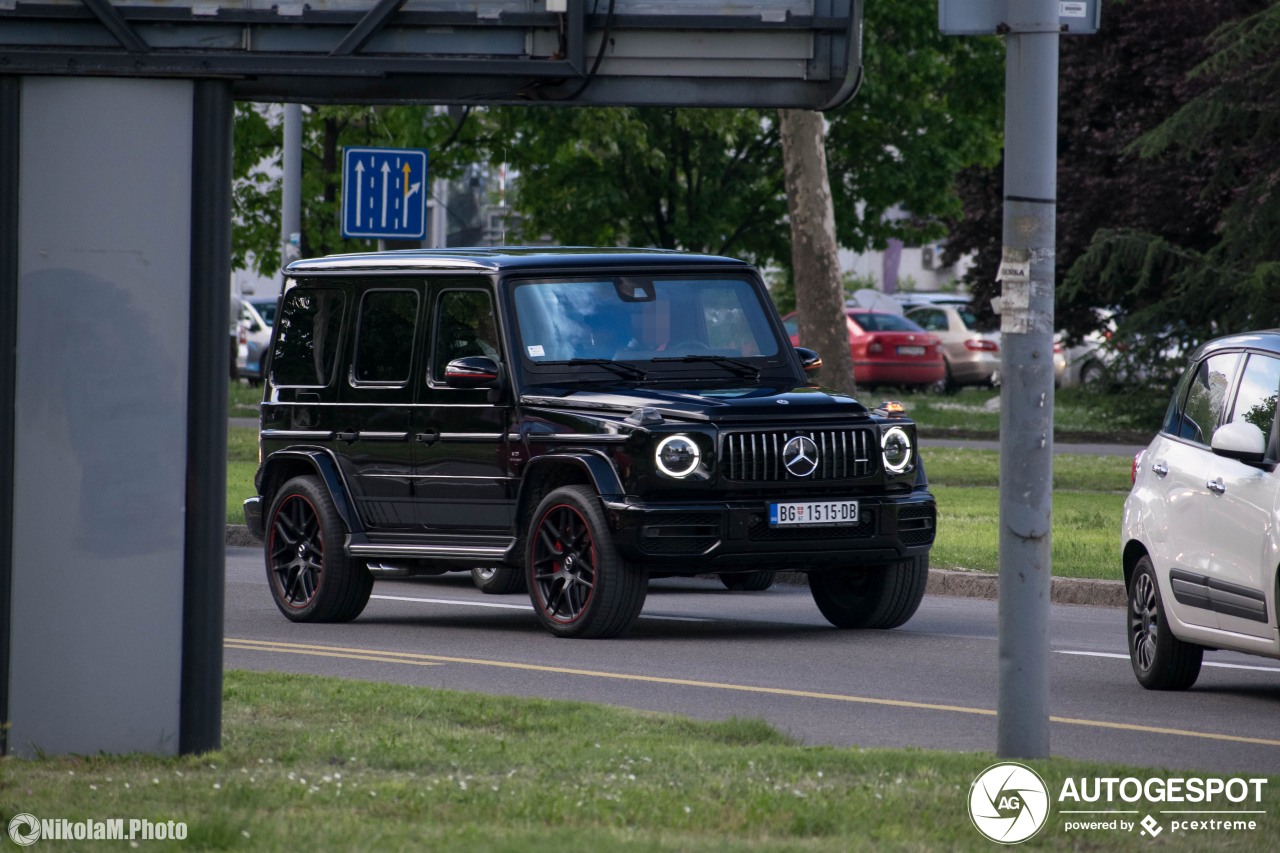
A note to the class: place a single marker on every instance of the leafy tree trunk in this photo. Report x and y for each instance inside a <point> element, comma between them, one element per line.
<point>815,264</point>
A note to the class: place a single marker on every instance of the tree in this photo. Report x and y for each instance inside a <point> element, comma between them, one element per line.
<point>815,261</point>
<point>700,180</point>
<point>1114,87</point>
<point>929,107</point>
<point>1225,274</point>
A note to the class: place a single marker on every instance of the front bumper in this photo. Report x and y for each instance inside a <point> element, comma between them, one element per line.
<point>698,537</point>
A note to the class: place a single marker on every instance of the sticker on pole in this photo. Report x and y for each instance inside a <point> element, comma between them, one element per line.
<point>384,193</point>
<point>1015,266</point>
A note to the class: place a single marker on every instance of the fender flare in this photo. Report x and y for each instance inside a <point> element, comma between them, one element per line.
<point>598,468</point>
<point>326,468</point>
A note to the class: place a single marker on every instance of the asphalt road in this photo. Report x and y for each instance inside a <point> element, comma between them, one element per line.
<point>702,651</point>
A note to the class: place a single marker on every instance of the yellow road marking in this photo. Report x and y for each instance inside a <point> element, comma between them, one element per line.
<point>418,659</point>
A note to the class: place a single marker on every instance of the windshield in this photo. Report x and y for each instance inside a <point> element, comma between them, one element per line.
<point>639,318</point>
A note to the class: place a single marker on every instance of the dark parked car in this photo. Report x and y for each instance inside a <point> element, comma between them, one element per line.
<point>576,420</point>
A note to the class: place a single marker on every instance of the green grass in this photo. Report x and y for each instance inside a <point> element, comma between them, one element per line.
<point>1085,532</point>
<point>1075,411</point>
<point>243,400</point>
<point>314,763</point>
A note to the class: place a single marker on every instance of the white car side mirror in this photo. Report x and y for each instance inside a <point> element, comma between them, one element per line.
<point>1239,440</point>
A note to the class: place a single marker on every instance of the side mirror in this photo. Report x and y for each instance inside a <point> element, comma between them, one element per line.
<point>810,361</point>
<point>473,371</point>
<point>1240,440</point>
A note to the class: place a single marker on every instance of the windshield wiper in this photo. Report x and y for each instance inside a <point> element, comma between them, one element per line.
<point>735,366</point>
<point>626,371</point>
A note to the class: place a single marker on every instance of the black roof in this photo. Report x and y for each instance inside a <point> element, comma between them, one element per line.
<point>495,259</point>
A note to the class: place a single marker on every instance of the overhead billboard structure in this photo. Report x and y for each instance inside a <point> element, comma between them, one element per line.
<point>762,53</point>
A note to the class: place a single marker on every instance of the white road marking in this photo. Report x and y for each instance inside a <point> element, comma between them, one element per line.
<point>1206,663</point>
<point>529,607</point>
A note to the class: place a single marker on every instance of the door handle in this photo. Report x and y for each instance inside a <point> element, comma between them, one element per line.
<point>346,435</point>
<point>430,436</point>
<point>1216,486</point>
<point>1159,469</point>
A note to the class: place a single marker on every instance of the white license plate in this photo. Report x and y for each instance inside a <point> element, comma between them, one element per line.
<point>813,514</point>
<point>910,350</point>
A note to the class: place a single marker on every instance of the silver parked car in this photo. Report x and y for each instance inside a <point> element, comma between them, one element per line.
<point>970,347</point>
<point>257,315</point>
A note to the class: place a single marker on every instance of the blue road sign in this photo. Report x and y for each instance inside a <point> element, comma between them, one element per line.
<point>384,193</point>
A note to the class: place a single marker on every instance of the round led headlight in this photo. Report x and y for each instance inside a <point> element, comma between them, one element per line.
<point>895,445</point>
<point>677,456</point>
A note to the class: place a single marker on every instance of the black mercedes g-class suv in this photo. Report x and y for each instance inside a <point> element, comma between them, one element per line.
<point>573,422</point>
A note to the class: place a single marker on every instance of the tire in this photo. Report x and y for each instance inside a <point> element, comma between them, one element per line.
<point>1160,660</point>
<point>748,582</point>
<point>310,575</point>
<point>1093,374</point>
<point>579,584</point>
<point>945,385</point>
<point>871,596</point>
<point>498,580</point>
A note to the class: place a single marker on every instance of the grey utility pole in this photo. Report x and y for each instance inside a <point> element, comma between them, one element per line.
<point>1032,29</point>
<point>1026,368</point>
<point>291,185</point>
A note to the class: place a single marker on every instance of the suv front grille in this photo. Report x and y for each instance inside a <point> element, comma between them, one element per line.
<point>757,456</point>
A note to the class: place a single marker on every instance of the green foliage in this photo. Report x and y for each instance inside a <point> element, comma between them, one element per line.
<point>930,106</point>
<point>693,179</point>
<point>326,130</point>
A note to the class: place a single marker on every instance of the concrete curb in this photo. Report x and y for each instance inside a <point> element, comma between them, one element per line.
<point>1094,593</point>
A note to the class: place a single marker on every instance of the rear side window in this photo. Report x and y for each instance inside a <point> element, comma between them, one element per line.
<point>306,347</point>
<point>1206,397</point>
<point>384,338</point>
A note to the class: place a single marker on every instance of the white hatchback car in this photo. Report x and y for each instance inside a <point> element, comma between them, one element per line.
<point>1200,538</point>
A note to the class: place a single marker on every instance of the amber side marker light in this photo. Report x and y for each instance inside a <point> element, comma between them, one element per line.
<point>893,407</point>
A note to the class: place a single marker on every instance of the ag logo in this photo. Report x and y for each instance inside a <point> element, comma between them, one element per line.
<point>1008,803</point>
<point>24,829</point>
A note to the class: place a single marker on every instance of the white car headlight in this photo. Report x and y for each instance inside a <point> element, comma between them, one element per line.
<point>677,456</point>
<point>895,446</point>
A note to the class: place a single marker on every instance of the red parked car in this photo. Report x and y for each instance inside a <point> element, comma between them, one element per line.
<point>887,349</point>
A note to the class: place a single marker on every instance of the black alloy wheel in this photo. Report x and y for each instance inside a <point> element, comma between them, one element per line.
<point>579,585</point>
<point>1160,660</point>
<point>310,576</point>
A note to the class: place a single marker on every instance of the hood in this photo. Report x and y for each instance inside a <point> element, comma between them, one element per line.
<point>701,404</point>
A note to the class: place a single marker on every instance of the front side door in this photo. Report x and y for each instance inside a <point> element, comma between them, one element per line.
<point>1242,568</point>
<point>1188,506</point>
<point>463,483</point>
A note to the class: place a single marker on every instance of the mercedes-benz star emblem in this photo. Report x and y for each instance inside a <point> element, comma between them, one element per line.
<point>800,455</point>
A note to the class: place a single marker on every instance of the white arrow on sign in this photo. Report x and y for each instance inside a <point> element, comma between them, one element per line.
<point>386,169</point>
<point>359,189</point>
